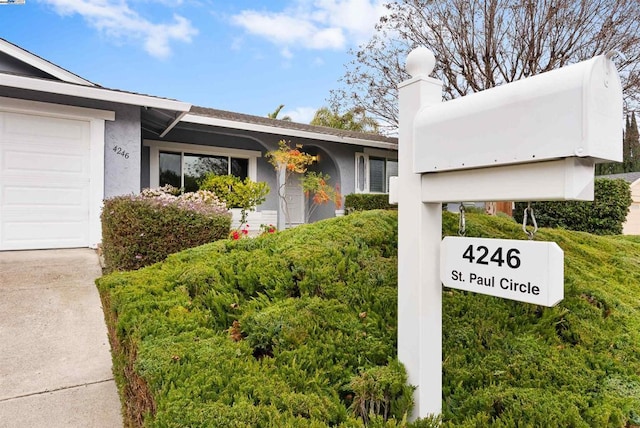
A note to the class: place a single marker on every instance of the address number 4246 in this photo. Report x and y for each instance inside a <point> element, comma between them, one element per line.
<point>480,254</point>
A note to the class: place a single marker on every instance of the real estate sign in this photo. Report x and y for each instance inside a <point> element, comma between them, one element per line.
<point>526,271</point>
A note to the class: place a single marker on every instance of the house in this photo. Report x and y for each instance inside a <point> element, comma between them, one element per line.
<point>632,225</point>
<point>67,143</point>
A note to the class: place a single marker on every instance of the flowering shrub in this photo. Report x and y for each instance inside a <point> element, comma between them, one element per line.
<point>139,230</point>
<point>239,233</point>
<point>202,201</point>
<point>266,229</point>
<point>161,192</point>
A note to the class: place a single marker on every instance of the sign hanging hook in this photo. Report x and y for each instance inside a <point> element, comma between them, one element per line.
<point>462,221</point>
<point>529,212</point>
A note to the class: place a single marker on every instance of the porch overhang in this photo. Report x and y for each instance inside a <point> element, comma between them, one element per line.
<point>279,130</point>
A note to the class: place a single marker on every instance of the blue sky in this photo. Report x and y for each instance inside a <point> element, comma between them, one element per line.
<point>237,55</point>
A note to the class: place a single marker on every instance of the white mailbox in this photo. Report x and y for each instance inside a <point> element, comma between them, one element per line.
<point>574,111</point>
<point>535,139</point>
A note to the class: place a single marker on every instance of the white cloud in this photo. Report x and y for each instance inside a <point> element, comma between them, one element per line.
<point>286,53</point>
<point>300,114</point>
<point>116,19</point>
<point>314,24</point>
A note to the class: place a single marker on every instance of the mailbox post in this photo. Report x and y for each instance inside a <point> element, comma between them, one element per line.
<point>535,139</point>
<point>419,230</point>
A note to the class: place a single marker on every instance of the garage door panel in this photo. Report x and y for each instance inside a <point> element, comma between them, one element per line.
<point>20,128</point>
<point>44,145</point>
<point>53,214</point>
<point>24,162</point>
<point>16,235</point>
<point>34,197</point>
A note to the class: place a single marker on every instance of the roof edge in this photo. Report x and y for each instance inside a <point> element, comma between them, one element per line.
<point>42,64</point>
<point>280,130</point>
<point>91,92</point>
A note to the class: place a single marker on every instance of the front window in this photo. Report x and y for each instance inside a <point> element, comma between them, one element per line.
<point>373,173</point>
<point>186,170</point>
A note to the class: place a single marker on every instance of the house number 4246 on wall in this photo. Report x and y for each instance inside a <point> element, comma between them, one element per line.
<point>120,151</point>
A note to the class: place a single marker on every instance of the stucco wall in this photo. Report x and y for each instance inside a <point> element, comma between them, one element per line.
<point>122,160</point>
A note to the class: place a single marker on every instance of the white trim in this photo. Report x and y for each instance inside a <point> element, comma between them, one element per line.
<point>200,149</point>
<point>96,185</point>
<point>41,64</point>
<point>367,155</point>
<point>376,153</point>
<point>173,124</point>
<point>154,166</point>
<point>226,123</point>
<point>365,173</point>
<point>156,146</point>
<point>96,120</point>
<point>95,93</point>
<point>15,105</point>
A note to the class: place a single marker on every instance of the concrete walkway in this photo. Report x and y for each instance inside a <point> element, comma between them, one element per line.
<point>55,364</point>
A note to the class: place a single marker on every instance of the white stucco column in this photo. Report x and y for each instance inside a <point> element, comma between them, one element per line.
<point>281,180</point>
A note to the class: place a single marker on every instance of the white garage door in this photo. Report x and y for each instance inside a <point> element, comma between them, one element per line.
<point>44,182</point>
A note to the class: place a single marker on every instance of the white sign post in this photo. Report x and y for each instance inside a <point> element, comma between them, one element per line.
<point>531,140</point>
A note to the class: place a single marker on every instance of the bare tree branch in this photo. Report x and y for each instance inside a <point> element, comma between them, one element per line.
<point>479,44</point>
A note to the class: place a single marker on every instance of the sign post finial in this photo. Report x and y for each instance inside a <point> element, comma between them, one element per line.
<point>420,62</point>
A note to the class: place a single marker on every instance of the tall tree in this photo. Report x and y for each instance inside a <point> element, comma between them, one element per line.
<point>479,44</point>
<point>631,145</point>
<point>355,119</point>
<point>276,112</point>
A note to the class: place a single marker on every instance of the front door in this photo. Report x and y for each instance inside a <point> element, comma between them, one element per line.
<point>294,196</point>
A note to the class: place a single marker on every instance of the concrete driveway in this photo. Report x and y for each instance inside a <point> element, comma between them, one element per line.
<point>55,364</point>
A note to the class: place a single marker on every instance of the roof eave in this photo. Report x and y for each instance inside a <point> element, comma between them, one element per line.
<point>226,123</point>
<point>96,93</point>
<point>42,64</point>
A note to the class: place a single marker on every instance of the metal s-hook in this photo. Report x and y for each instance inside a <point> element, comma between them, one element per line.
<point>462,221</point>
<point>529,210</point>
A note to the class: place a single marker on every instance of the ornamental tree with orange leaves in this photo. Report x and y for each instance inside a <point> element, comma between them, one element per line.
<point>289,160</point>
<point>318,191</point>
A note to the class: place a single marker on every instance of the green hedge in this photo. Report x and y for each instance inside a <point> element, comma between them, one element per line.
<point>298,329</point>
<point>367,201</point>
<point>602,216</point>
<point>265,332</point>
<point>139,231</point>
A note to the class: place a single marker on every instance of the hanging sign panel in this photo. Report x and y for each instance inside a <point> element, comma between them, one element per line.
<point>526,271</point>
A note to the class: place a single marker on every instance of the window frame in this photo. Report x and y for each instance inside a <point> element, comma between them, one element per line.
<point>367,154</point>
<point>155,147</point>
